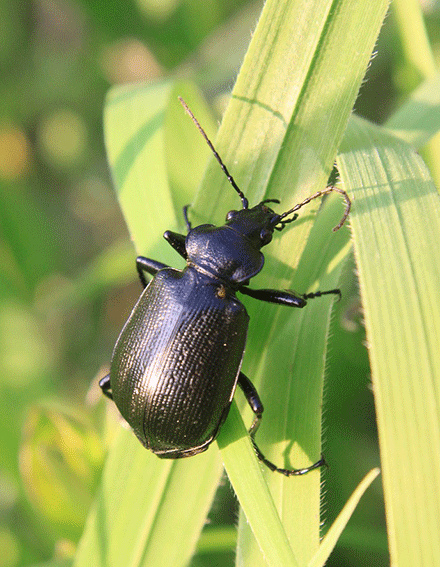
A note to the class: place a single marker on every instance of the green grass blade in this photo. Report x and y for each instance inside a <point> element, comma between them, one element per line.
<point>418,119</point>
<point>140,517</point>
<point>134,136</point>
<point>418,56</point>
<point>396,232</point>
<point>216,539</point>
<point>238,456</point>
<point>417,63</point>
<point>152,150</point>
<point>332,535</point>
<point>286,110</point>
<point>278,137</point>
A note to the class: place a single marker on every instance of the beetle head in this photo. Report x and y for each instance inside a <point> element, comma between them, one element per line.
<point>256,224</point>
<point>259,222</point>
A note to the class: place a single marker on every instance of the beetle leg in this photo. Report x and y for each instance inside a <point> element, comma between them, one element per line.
<point>285,297</point>
<point>177,241</point>
<point>314,294</point>
<point>275,296</point>
<point>254,401</point>
<point>105,386</point>
<point>185,216</point>
<point>147,265</point>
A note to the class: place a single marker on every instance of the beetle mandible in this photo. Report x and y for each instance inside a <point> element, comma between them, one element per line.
<point>177,361</point>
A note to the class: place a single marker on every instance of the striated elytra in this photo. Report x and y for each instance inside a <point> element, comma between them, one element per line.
<point>177,361</point>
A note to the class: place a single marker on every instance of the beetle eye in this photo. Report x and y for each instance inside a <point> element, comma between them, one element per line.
<point>265,236</point>
<point>231,215</point>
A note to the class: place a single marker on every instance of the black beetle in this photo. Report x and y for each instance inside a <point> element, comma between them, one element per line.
<point>177,361</point>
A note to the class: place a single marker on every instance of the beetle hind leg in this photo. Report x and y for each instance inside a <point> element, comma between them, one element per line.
<point>256,405</point>
<point>288,472</point>
<point>105,386</point>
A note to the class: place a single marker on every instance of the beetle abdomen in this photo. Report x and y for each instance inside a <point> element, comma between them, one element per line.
<point>177,361</point>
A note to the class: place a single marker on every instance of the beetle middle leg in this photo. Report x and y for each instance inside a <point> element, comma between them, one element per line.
<point>256,405</point>
<point>288,298</point>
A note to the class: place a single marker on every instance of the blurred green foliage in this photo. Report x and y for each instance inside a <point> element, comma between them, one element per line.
<point>67,277</point>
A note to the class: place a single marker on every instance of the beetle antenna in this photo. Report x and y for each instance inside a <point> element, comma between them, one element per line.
<point>244,201</point>
<point>279,219</point>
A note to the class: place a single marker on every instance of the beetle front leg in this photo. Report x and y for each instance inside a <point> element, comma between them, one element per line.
<point>256,405</point>
<point>105,386</point>
<point>177,241</point>
<point>147,265</point>
<point>288,298</point>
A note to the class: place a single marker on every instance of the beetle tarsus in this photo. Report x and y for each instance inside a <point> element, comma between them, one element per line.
<point>288,472</point>
<point>318,293</point>
<point>256,406</point>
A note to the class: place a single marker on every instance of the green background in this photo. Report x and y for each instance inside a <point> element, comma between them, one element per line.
<point>67,277</point>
